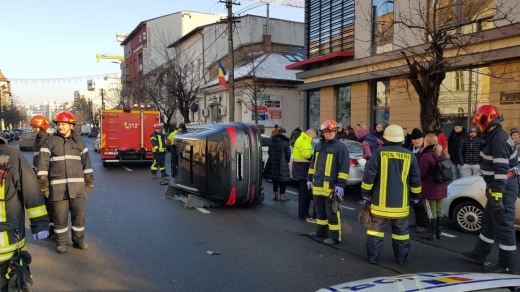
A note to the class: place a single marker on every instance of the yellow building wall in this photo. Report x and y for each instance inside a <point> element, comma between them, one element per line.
<point>360,104</point>
<point>505,77</point>
<point>327,103</point>
<point>404,104</point>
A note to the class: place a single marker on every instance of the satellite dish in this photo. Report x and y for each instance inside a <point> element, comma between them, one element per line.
<point>194,106</point>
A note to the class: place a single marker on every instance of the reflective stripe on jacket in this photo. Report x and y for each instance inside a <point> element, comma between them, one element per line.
<point>66,162</point>
<point>497,156</point>
<point>329,167</point>
<point>389,176</point>
<point>171,137</point>
<point>158,142</point>
<point>40,140</point>
<point>19,194</point>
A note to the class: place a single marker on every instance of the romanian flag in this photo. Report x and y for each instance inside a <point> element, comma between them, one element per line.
<point>222,74</point>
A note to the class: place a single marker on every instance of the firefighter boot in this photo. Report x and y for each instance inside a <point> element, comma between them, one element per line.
<point>164,174</point>
<point>330,241</point>
<point>438,230</point>
<point>82,246</point>
<point>61,249</point>
<point>474,257</point>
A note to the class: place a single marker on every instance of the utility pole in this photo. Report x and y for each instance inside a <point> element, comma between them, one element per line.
<point>231,99</point>
<point>102,98</point>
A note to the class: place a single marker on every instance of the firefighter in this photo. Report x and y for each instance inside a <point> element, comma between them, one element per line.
<point>328,175</point>
<point>498,162</point>
<point>389,176</point>
<point>18,197</point>
<point>159,151</point>
<point>66,157</point>
<point>40,124</point>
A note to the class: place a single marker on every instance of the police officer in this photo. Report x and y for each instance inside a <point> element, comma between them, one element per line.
<point>159,151</point>
<point>40,124</point>
<point>18,197</point>
<point>498,162</point>
<point>328,175</point>
<point>389,176</point>
<point>66,156</point>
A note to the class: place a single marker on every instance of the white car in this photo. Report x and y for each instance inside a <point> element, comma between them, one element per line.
<point>96,146</point>
<point>435,281</point>
<point>465,203</point>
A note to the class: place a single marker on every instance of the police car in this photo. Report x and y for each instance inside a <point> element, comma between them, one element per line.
<point>433,282</point>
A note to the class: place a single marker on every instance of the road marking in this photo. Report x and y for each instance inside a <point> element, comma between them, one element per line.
<point>291,192</point>
<point>348,208</point>
<point>448,235</point>
<point>126,168</point>
<point>202,210</point>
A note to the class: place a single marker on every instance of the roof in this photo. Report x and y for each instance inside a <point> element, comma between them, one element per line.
<point>268,66</point>
<point>2,77</point>
<point>301,64</point>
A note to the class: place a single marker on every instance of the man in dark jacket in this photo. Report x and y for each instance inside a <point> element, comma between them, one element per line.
<point>40,124</point>
<point>302,154</point>
<point>379,131</point>
<point>421,217</point>
<point>469,154</point>
<point>342,134</point>
<point>454,140</point>
<point>498,166</point>
<point>66,177</point>
<point>328,175</point>
<point>20,195</point>
<point>277,166</point>
<point>407,143</point>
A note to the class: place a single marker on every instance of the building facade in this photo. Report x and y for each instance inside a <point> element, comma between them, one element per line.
<point>355,70</point>
<point>5,96</point>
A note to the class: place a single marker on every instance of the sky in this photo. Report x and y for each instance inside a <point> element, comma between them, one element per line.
<point>48,48</point>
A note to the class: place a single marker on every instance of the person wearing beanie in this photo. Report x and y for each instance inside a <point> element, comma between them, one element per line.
<point>421,218</point>
<point>515,135</point>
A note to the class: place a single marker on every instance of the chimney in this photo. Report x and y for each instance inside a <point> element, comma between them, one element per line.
<point>267,43</point>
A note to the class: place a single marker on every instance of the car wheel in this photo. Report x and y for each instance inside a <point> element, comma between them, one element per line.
<point>468,216</point>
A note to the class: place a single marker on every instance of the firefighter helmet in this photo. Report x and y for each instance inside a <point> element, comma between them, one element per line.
<point>157,126</point>
<point>65,117</point>
<point>40,121</point>
<point>487,116</point>
<point>394,133</point>
<point>329,126</point>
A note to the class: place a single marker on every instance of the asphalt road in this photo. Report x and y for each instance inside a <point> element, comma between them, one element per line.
<point>140,241</point>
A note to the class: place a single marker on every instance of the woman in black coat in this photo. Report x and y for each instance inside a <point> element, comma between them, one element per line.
<point>277,166</point>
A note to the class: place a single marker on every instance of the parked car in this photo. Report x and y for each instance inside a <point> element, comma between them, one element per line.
<point>266,140</point>
<point>465,204</point>
<point>26,141</point>
<point>96,146</point>
<point>433,281</point>
<point>92,134</point>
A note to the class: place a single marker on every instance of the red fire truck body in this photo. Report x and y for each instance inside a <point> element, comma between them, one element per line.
<point>125,135</point>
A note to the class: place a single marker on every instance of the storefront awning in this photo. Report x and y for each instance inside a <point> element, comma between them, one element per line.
<point>331,56</point>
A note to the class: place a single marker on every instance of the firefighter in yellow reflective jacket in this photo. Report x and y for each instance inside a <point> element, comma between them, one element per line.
<point>328,174</point>
<point>390,176</point>
<point>159,151</point>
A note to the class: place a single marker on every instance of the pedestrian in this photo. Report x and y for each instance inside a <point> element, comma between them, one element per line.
<point>390,177</point>
<point>302,155</point>
<point>159,152</point>
<point>357,126</point>
<point>407,143</point>
<point>515,135</point>
<point>181,129</point>
<point>364,126</point>
<point>328,175</point>
<point>369,142</point>
<point>21,195</point>
<point>456,136</point>
<point>421,218</point>
<point>275,130</point>
<point>277,166</point>
<point>379,131</point>
<point>441,138</point>
<point>40,124</point>
<point>469,154</point>
<point>498,166</point>
<point>66,177</point>
<point>433,192</point>
<point>341,132</point>
<point>351,135</point>
<point>295,134</point>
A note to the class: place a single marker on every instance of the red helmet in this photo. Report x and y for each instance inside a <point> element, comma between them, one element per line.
<point>65,117</point>
<point>40,121</point>
<point>157,126</point>
<point>487,116</point>
<point>329,126</point>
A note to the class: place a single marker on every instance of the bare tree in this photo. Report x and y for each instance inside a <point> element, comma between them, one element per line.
<point>422,31</point>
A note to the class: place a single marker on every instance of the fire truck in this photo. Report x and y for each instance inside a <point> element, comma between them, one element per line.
<point>125,134</point>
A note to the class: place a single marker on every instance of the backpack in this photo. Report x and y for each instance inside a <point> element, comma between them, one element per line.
<point>444,169</point>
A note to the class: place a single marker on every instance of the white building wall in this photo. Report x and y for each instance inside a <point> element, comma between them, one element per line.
<point>410,12</point>
<point>362,29</point>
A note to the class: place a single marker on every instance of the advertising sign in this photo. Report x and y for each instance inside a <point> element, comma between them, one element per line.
<point>269,111</point>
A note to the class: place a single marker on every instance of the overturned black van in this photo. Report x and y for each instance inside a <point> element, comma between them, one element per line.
<point>219,162</point>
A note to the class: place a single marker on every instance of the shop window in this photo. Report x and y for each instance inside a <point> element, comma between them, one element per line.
<point>380,92</point>
<point>343,106</point>
<point>314,109</point>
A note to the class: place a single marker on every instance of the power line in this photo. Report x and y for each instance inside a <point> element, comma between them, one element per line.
<point>58,80</point>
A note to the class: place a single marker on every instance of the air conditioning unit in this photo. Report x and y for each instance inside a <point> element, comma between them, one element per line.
<point>205,112</point>
<point>222,110</point>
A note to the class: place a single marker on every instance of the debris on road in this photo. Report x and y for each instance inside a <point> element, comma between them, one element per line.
<point>213,252</point>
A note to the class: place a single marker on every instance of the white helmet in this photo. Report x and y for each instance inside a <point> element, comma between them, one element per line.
<point>394,133</point>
